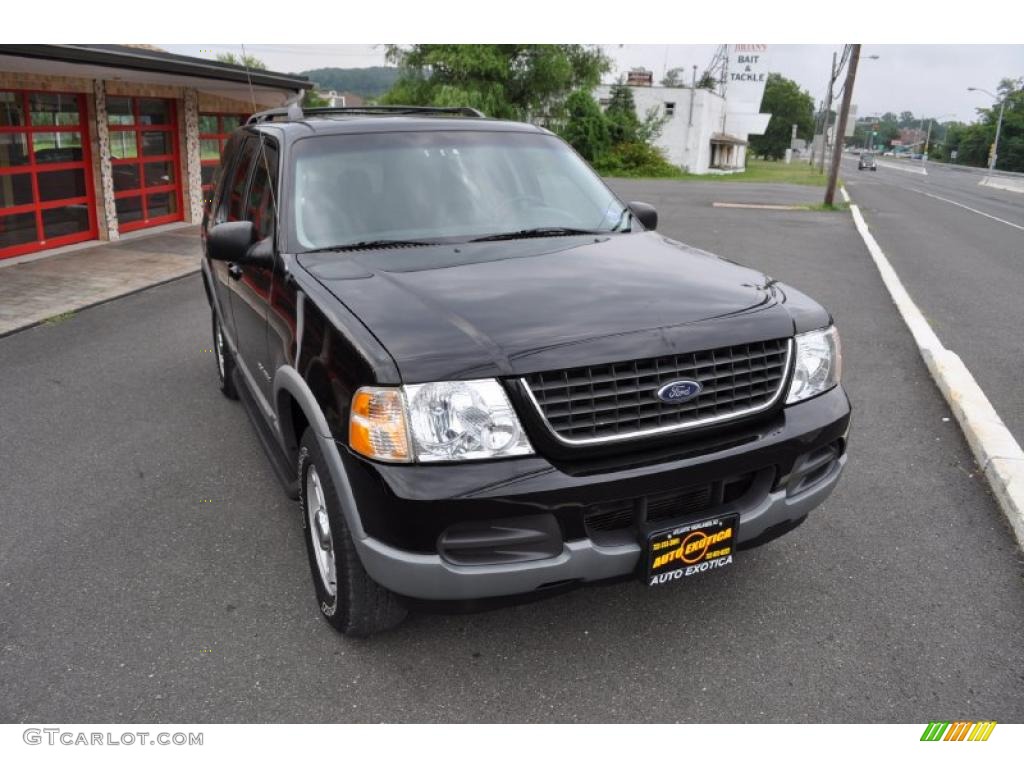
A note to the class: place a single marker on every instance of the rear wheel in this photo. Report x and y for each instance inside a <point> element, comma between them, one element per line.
<point>352,602</point>
<point>225,362</point>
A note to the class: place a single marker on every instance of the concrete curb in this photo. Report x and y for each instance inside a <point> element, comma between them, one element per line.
<point>1010,185</point>
<point>994,447</point>
<point>75,308</point>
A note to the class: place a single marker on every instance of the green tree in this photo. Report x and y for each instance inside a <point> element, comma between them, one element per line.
<point>674,78</point>
<point>707,82</point>
<point>248,61</point>
<point>623,123</point>
<point>586,127</point>
<point>884,134</point>
<point>521,82</point>
<point>788,105</point>
<point>973,142</point>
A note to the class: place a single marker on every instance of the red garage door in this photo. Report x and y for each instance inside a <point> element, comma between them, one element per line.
<point>144,156</point>
<point>46,192</point>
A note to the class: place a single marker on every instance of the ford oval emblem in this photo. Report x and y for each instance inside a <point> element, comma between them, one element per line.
<point>679,391</point>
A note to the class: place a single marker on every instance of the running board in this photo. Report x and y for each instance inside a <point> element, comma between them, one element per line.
<point>286,473</point>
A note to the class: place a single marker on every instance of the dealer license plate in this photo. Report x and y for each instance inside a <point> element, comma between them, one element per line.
<point>691,549</point>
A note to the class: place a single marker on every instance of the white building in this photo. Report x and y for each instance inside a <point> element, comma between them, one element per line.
<point>705,132</point>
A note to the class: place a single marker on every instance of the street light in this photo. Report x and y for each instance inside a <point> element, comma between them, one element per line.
<point>999,126</point>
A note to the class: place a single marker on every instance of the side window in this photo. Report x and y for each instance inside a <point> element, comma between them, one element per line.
<point>218,203</point>
<point>232,204</point>
<point>263,191</point>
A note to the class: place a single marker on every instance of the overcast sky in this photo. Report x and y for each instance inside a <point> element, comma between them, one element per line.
<point>929,80</point>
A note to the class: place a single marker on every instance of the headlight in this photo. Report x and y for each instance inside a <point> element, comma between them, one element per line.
<point>819,364</point>
<point>440,421</point>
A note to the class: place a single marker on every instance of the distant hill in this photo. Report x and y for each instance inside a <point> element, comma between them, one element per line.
<point>368,82</point>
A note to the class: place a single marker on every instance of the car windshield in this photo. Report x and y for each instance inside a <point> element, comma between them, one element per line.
<point>429,186</point>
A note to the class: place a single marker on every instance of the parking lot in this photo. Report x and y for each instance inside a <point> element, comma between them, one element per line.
<point>151,569</point>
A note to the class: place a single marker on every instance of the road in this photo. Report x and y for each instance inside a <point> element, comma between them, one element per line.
<point>959,249</point>
<point>152,570</point>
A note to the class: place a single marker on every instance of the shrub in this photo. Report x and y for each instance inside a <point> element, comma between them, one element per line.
<point>635,159</point>
<point>585,127</point>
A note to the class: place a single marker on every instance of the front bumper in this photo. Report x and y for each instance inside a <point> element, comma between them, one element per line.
<point>393,501</point>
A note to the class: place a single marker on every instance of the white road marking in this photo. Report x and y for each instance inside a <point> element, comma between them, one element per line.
<point>905,169</point>
<point>994,447</point>
<point>967,207</point>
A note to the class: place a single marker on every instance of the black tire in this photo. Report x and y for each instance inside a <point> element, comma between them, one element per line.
<point>359,606</point>
<point>224,361</point>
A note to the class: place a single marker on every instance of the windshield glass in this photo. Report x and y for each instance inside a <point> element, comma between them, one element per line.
<point>442,185</point>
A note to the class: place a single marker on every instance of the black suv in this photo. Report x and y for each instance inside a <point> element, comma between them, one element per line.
<point>482,375</point>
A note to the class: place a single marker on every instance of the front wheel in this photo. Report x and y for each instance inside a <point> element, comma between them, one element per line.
<point>352,602</point>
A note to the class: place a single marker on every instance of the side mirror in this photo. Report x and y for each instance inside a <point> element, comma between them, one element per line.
<point>260,254</point>
<point>230,240</point>
<point>645,214</point>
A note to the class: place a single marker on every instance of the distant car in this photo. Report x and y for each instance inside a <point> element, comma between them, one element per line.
<point>888,154</point>
<point>867,161</point>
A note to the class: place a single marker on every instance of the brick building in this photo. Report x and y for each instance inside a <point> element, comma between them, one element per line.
<point>99,140</point>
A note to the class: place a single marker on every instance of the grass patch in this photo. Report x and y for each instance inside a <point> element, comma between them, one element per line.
<point>57,319</point>
<point>758,171</point>
<point>828,208</point>
<point>769,172</point>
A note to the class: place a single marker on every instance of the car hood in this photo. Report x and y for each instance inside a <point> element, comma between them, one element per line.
<point>510,308</point>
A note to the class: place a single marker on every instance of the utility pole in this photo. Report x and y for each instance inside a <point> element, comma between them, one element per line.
<point>693,95</point>
<point>828,114</point>
<point>999,128</point>
<point>844,114</point>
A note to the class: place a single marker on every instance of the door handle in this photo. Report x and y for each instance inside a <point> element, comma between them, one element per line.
<point>234,272</point>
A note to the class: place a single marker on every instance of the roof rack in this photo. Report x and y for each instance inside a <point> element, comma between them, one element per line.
<point>291,112</point>
<point>395,109</point>
<point>295,112</point>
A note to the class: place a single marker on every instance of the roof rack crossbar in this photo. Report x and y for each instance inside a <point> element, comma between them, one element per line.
<point>295,112</point>
<point>397,109</point>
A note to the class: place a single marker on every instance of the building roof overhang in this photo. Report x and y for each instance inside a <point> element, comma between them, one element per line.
<point>156,61</point>
<point>725,138</point>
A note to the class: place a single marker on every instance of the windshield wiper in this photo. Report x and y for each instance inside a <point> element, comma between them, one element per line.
<point>538,232</point>
<point>364,244</point>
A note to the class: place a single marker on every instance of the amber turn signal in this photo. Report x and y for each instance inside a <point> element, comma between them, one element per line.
<point>376,426</point>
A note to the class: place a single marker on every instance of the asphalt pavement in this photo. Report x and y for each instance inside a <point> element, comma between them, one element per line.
<point>151,569</point>
<point>959,249</point>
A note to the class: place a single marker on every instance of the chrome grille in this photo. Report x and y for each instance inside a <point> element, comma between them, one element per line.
<point>619,401</point>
